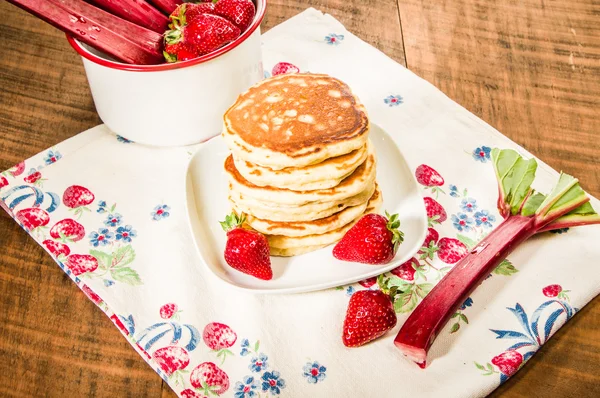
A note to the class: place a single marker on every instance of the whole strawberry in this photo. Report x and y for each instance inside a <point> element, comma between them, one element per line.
<point>373,240</point>
<point>209,378</point>
<point>370,315</point>
<point>508,362</point>
<point>195,31</point>
<point>282,68</point>
<point>239,12</point>
<point>246,251</point>
<point>429,178</point>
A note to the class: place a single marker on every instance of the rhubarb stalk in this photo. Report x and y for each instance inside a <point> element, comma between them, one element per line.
<point>526,212</point>
<point>138,12</point>
<point>166,6</point>
<point>121,39</point>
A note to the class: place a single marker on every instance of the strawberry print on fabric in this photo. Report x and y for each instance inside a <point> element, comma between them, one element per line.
<point>219,338</point>
<point>534,331</point>
<point>282,68</point>
<point>52,156</point>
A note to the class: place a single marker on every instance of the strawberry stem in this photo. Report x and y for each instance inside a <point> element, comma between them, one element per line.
<point>393,225</point>
<point>232,221</point>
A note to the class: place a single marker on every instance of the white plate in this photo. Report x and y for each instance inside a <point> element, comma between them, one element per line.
<point>207,204</point>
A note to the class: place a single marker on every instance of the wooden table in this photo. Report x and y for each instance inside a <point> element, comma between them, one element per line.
<point>530,68</point>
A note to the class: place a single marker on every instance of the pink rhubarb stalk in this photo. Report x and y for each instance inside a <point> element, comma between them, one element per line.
<point>121,39</point>
<point>166,6</point>
<point>138,12</point>
<point>526,212</point>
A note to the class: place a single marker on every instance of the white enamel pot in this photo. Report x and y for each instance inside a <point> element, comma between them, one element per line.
<point>173,104</point>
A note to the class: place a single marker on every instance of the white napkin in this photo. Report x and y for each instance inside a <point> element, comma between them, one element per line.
<point>152,284</point>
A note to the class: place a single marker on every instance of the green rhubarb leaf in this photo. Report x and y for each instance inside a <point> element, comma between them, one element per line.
<point>532,203</point>
<point>515,175</point>
<point>585,209</point>
<point>583,215</point>
<point>565,193</point>
<point>503,161</point>
<point>470,243</point>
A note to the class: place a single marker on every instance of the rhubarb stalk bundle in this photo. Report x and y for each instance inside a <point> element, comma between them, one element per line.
<point>525,213</point>
<point>137,11</point>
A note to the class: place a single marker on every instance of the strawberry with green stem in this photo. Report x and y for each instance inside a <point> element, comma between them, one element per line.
<point>33,218</point>
<point>246,251</point>
<point>430,179</point>
<point>374,239</point>
<point>170,311</point>
<point>209,379</point>
<point>173,360</point>
<point>556,291</point>
<point>219,338</point>
<point>57,249</point>
<point>81,263</point>
<point>370,314</point>
<point>194,33</point>
<point>67,230</point>
<point>435,212</point>
<point>77,198</point>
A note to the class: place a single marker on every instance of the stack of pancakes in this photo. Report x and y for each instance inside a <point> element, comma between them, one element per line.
<point>302,168</point>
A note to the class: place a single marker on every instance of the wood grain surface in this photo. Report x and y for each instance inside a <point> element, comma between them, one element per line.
<point>530,68</point>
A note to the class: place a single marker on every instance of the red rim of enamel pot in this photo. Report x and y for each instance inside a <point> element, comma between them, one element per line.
<point>261,5</point>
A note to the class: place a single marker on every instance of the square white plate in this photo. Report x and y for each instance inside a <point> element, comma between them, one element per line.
<point>207,204</point>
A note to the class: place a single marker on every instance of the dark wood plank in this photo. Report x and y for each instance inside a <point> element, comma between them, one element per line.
<point>531,69</point>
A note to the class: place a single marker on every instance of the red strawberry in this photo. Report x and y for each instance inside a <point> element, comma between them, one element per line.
<point>428,177</point>
<point>168,311</point>
<point>552,290</point>
<point>218,336</point>
<point>187,393</point>
<point>210,378</point>
<point>3,182</point>
<point>246,251</point>
<point>192,11</point>
<point>76,196</point>
<point>17,169</point>
<point>33,218</point>
<point>68,228</point>
<point>33,177</point>
<point>508,362</point>
<point>91,294</point>
<point>119,324</point>
<point>239,12</point>
<point>451,250</point>
<point>370,315</point>
<point>407,270</point>
<point>56,248</point>
<point>368,282</point>
<point>432,237</point>
<point>81,263</point>
<point>284,67</point>
<point>435,212</point>
<point>196,34</point>
<point>171,359</point>
<point>374,239</point>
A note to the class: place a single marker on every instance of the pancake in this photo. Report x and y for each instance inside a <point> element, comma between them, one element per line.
<point>294,251</point>
<point>313,227</point>
<point>326,174</point>
<point>279,243</point>
<point>306,212</point>
<point>357,182</point>
<point>295,120</point>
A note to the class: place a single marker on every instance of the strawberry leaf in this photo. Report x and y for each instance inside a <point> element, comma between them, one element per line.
<point>405,302</point>
<point>464,318</point>
<point>455,328</point>
<point>123,256</point>
<point>126,275</point>
<point>256,345</point>
<point>104,259</point>
<point>470,243</point>
<point>479,366</point>
<point>505,268</point>
<point>423,289</point>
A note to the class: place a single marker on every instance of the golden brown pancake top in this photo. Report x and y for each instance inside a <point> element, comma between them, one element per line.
<point>289,113</point>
